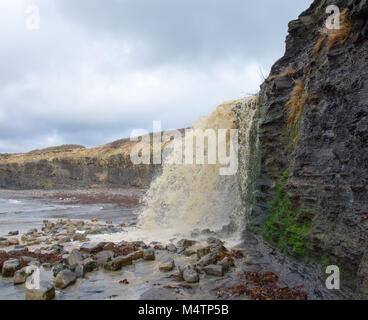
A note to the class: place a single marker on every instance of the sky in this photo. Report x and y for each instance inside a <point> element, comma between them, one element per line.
<point>89,72</point>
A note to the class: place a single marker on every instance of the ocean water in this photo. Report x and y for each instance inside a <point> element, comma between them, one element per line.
<point>23,214</point>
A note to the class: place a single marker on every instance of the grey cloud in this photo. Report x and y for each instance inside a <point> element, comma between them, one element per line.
<point>98,69</point>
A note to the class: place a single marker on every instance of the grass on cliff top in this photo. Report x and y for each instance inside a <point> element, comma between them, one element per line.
<point>118,147</point>
<point>69,151</point>
<point>330,37</point>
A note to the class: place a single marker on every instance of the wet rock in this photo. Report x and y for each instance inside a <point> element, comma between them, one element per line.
<point>10,267</point>
<point>214,270</point>
<point>189,252</point>
<point>4,243</point>
<point>90,248</point>
<point>47,266</point>
<point>64,279</point>
<point>45,292</point>
<point>14,242</point>
<point>103,257</point>
<point>57,249</point>
<point>167,266</point>
<point>79,271</point>
<point>64,240</point>
<point>13,233</point>
<point>203,252</point>
<point>137,255</point>
<point>89,265</point>
<point>190,275</point>
<point>220,250</point>
<point>58,268</point>
<point>139,244</point>
<point>208,259</point>
<point>108,246</point>
<point>171,248</point>
<point>74,258</point>
<point>21,275</point>
<point>25,260</point>
<point>70,230</point>
<point>149,254</point>
<point>117,263</point>
<point>226,263</point>
<point>79,237</point>
<point>215,241</point>
<point>185,243</point>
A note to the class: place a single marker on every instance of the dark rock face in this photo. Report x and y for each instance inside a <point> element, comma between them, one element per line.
<point>116,171</point>
<point>326,155</point>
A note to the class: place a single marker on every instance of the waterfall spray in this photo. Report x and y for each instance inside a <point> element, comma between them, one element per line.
<point>188,197</point>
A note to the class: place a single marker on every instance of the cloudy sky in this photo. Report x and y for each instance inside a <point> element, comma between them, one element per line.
<point>95,70</point>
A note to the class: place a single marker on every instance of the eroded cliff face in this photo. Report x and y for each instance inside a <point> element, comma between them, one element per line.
<point>310,193</point>
<point>72,167</point>
<point>80,173</point>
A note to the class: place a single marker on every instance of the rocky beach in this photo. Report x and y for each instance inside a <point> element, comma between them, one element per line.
<point>75,264</point>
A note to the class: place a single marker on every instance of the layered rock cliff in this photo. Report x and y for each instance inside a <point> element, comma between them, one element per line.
<point>309,163</point>
<point>72,167</point>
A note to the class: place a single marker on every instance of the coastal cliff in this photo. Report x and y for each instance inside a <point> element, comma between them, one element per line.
<point>72,167</point>
<point>308,197</point>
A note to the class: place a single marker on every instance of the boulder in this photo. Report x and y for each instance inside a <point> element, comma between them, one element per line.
<point>108,246</point>
<point>167,266</point>
<point>46,291</point>
<point>203,252</point>
<point>10,267</point>
<point>13,233</point>
<point>208,259</point>
<point>74,258</point>
<point>25,260</point>
<point>90,248</point>
<point>21,275</point>
<point>79,237</point>
<point>103,257</point>
<point>137,254</point>
<point>214,270</point>
<point>89,265</point>
<point>65,278</point>
<point>4,243</point>
<point>214,241</point>
<point>190,275</point>
<point>185,243</point>
<point>149,254</point>
<point>118,262</point>
<point>14,242</point>
<point>171,248</point>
